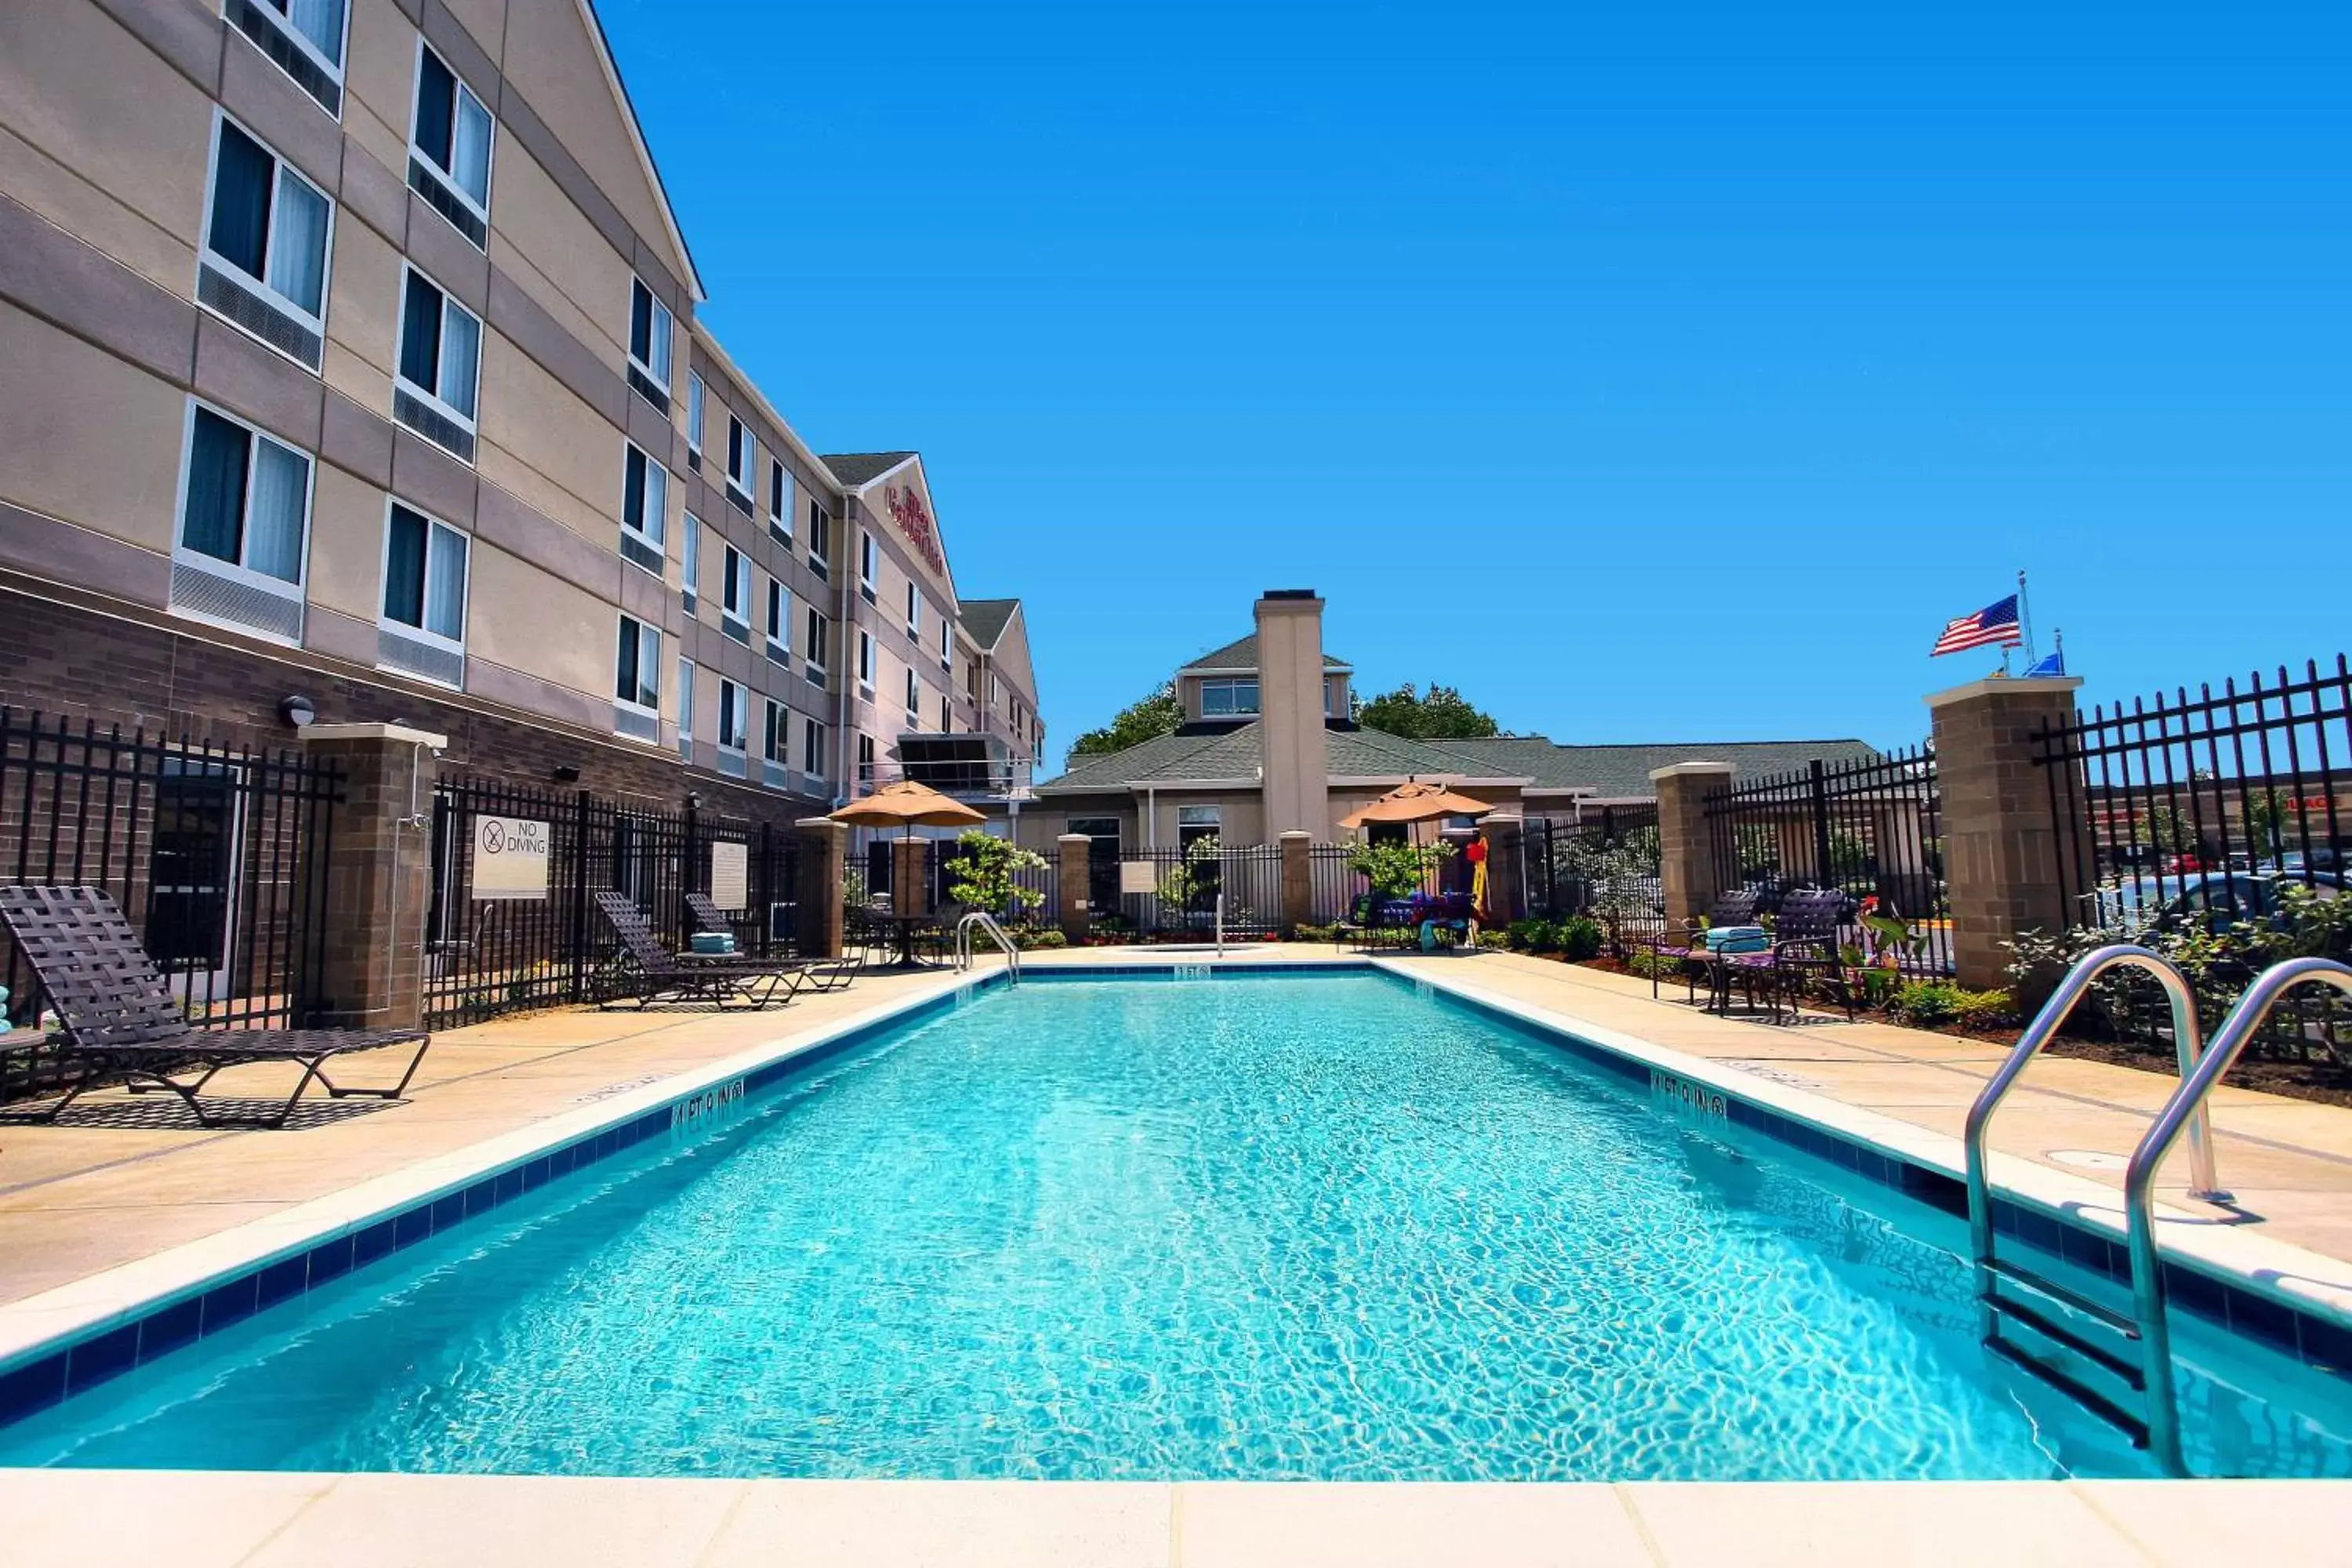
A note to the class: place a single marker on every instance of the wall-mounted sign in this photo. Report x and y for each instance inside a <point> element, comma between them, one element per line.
<point>510,858</point>
<point>730,875</point>
<point>1138,877</point>
<point>914,521</point>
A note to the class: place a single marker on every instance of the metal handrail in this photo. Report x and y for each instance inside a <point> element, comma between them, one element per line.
<point>2186,1108</point>
<point>2187,1042</point>
<point>986,922</point>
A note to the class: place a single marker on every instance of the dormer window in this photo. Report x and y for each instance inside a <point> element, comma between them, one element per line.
<point>1229,697</point>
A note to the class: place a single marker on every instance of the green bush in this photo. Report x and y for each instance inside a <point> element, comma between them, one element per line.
<point>1315,933</point>
<point>1580,937</point>
<point>1030,938</point>
<point>1521,934</point>
<point>1650,965</point>
<point>1932,1002</point>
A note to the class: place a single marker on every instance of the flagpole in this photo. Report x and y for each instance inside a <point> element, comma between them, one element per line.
<point>2024,623</point>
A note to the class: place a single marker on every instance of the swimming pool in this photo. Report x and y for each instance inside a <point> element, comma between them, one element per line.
<point>1312,1225</point>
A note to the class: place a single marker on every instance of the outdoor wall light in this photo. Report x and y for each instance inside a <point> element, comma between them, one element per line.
<point>296,710</point>
<point>566,773</point>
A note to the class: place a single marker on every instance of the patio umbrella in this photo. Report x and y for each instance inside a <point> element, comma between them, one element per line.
<point>1415,802</point>
<point>910,805</point>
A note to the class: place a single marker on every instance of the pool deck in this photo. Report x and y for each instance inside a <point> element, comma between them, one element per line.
<point>129,1192</point>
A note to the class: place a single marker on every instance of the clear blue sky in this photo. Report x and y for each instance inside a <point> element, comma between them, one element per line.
<point>1652,371</point>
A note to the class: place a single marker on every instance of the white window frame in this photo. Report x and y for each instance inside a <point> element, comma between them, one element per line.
<point>866,661</point>
<point>690,566</point>
<point>481,210</point>
<point>778,476</point>
<point>914,700</point>
<point>869,561</point>
<point>778,716</point>
<point>685,702</point>
<point>780,618</point>
<point>741,483</point>
<point>816,638</point>
<point>1229,683</point>
<point>811,746</point>
<point>992,691</point>
<point>665,327</point>
<point>734,713</point>
<point>301,41</point>
<point>914,613</point>
<point>237,571</point>
<point>696,396</point>
<point>658,542</point>
<point>384,574</point>
<point>637,704</point>
<point>735,568</point>
<point>206,253</point>
<point>470,422</point>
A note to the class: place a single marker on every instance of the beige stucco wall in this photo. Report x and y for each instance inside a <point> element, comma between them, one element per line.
<point>550,59</point>
<point>58,392</point>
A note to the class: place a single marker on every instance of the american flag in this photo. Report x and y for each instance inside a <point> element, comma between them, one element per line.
<point>1995,625</point>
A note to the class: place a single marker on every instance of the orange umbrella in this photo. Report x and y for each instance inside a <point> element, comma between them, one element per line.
<point>1415,802</point>
<point>907,804</point>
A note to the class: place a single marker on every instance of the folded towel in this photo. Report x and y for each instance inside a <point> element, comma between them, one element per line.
<point>706,942</point>
<point>1738,939</point>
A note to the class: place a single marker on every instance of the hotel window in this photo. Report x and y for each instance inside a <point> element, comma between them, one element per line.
<point>779,622</point>
<point>685,708</point>
<point>649,335</point>
<point>645,510</point>
<point>267,236</point>
<point>947,716</point>
<point>866,661</point>
<point>692,590</point>
<point>636,685</point>
<point>813,644</point>
<point>865,758</point>
<point>735,596</point>
<point>971,680</point>
<point>743,454</point>
<point>450,148</point>
<point>1016,716</point>
<point>1229,697</point>
<point>694,396</point>
<point>914,615</point>
<point>423,621</point>
<point>734,723</point>
<point>779,501</point>
<point>440,365</point>
<point>914,703</point>
<point>820,538</point>
<point>811,748</point>
<point>869,565</point>
<point>304,38</point>
<point>1194,823</point>
<point>244,527</point>
<point>776,736</point>
<point>992,691</point>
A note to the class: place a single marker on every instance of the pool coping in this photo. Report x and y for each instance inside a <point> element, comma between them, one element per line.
<point>62,1342</point>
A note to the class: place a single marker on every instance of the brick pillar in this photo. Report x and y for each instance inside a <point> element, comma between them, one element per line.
<point>1507,850</point>
<point>816,902</point>
<point>1298,880</point>
<point>1075,850</point>
<point>379,876</point>
<point>911,887</point>
<point>2001,842</point>
<point>1688,874</point>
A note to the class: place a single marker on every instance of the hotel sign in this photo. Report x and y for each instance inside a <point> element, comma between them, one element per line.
<point>510,858</point>
<point>914,520</point>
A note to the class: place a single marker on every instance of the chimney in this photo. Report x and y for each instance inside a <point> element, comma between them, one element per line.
<point>1290,712</point>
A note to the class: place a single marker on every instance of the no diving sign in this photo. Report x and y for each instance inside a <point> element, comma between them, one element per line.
<point>510,858</point>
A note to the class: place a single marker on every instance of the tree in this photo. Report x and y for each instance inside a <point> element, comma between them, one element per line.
<point>983,868</point>
<point>1154,716</point>
<point>1393,868</point>
<point>1443,715</point>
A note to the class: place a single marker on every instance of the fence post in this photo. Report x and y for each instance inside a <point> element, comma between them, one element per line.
<point>1506,868</point>
<point>1824,874</point>
<point>1688,876</point>
<point>378,875</point>
<point>1298,880</point>
<point>2001,839</point>
<point>579,816</point>
<point>816,902</point>
<point>1073,851</point>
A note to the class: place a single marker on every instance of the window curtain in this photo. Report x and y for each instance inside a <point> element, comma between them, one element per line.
<point>632,489</point>
<point>273,536</point>
<point>461,352</point>
<point>657,507</point>
<point>242,172</point>
<point>624,685</point>
<point>444,597</point>
<point>436,96</point>
<point>321,22</point>
<point>403,568</point>
<point>216,456</point>
<point>297,245</point>
<point>420,335</point>
<point>469,153</point>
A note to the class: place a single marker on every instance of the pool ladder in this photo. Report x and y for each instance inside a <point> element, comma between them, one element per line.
<point>2131,1349</point>
<point>985,921</point>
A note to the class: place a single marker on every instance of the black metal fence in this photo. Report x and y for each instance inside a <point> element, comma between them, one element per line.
<point>2216,827</point>
<point>217,855</point>
<point>1187,884</point>
<point>513,924</point>
<point>1871,827</point>
<point>1039,895</point>
<point>1333,886</point>
<point>1602,864</point>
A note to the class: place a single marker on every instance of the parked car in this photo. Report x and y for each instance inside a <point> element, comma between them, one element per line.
<point>2213,896</point>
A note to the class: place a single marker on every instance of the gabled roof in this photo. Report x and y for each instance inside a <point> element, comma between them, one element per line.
<point>1239,753</point>
<point>1623,771</point>
<point>1242,654</point>
<point>644,153</point>
<point>855,469</point>
<point>985,620</point>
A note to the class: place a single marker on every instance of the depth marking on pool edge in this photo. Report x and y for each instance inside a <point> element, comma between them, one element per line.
<point>1698,1097</point>
<point>686,1111</point>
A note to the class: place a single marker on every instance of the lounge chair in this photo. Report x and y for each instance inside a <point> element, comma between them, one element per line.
<point>1687,947</point>
<point>118,1018</point>
<point>818,973</point>
<point>645,972</point>
<point>1804,945</point>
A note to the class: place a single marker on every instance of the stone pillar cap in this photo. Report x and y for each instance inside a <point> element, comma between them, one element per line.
<point>1073,838</point>
<point>2008,685</point>
<point>1688,769</point>
<point>1296,833</point>
<point>819,821</point>
<point>400,732</point>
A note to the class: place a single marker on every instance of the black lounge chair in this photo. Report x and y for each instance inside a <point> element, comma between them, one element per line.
<point>819,973</point>
<point>1687,947</point>
<point>118,1018</point>
<point>645,972</point>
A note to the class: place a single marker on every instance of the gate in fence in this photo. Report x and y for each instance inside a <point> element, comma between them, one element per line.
<point>1602,865</point>
<point>1185,885</point>
<point>216,855</point>
<point>1870,827</point>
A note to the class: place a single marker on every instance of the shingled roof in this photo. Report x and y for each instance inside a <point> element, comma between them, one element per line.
<point>1242,654</point>
<point>853,468</point>
<point>1623,771</point>
<point>985,620</point>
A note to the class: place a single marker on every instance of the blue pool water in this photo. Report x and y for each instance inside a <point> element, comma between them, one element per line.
<point>1317,1227</point>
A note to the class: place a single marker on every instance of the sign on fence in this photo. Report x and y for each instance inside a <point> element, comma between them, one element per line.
<point>1138,877</point>
<point>730,875</point>
<point>510,858</point>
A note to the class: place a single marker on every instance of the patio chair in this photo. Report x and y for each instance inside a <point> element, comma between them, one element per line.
<point>645,972</point>
<point>817,974</point>
<point>1374,921</point>
<point>1687,948</point>
<point>1804,947</point>
<point>118,1018</point>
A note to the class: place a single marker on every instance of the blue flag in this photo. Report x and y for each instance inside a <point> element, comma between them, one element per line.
<point>2054,664</point>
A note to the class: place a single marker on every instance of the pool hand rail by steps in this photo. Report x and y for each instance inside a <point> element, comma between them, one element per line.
<point>986,922</point>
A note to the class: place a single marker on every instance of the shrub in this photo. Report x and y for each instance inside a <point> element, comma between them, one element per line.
<point>1580,937</point>
<point>1521,933</point>
<point>1494,939</point>
<point>1315,933</point>
<point>1650,965</point>
<point>1933,1002</point>
<point>1030,938</point>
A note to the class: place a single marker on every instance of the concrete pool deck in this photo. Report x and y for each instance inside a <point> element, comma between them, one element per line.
<point>129,1189</point>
